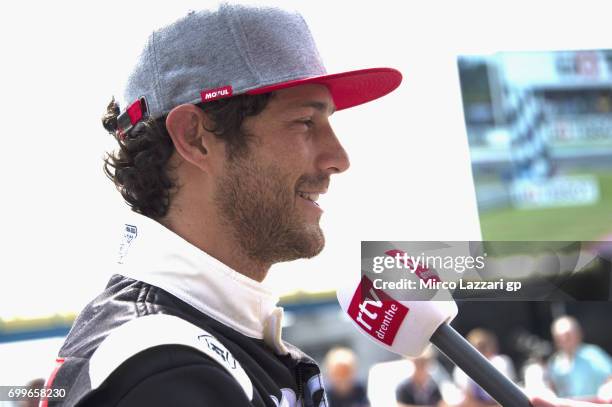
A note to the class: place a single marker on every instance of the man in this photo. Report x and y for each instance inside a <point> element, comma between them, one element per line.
<point>486,343</point>
<point>419,389</point>
<point>576,369</point>
<point>225,147</point>
<point>343,389</point>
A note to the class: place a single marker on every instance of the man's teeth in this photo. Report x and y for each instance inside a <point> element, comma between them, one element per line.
<point>310,197</point>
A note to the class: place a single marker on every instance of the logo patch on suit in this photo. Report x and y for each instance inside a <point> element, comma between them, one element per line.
<point>130,232</point>
<point>220,350</point>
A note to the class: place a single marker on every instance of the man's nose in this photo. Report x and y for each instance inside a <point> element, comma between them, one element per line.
<point>333,158</point>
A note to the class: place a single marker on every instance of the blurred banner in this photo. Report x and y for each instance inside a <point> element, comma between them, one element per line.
<point>540,136</point>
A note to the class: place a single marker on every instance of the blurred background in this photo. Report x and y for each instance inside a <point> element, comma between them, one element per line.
<point>500,131</point>
<point>539,129</point>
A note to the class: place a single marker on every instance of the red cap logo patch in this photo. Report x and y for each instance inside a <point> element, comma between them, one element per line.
<point>216,93</point>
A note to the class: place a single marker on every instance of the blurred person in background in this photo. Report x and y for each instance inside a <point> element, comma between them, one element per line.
<point>534,372</point>
<point>535,377</point>
<point>29,401</point>
<point>419,389</point>
<point>486,343</point>
<point>32,401</point>
<point>343,389</point>
<point>577,369</point>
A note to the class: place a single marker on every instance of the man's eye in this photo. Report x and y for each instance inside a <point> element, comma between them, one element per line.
<point>306,122</point>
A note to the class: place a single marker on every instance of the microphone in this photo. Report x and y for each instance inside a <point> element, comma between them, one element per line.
<point>407,327</point>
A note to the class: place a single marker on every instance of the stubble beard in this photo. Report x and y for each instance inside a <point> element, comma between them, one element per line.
<point>257,203</point>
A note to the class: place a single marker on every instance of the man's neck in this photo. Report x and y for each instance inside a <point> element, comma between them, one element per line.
<point>216,242</point>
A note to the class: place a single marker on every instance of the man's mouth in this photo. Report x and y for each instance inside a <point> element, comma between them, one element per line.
<point>310,196</point>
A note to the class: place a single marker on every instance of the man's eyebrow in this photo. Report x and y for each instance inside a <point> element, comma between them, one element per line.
<point>320,106</point>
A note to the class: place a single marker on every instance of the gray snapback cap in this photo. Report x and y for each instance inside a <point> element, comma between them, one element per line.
<point>237,49</point>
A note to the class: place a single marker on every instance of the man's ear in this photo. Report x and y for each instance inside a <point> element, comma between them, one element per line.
<point>186,125</point>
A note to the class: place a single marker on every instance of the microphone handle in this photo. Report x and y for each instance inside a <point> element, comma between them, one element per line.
<point>464,355</point>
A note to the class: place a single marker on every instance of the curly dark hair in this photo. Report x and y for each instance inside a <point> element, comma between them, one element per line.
<point>140,170</point>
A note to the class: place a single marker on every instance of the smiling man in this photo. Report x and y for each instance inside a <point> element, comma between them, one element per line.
<point>257,207</point>
<point>225,146</point>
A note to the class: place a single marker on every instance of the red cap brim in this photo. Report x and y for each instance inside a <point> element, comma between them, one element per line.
<point>348,89</point>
